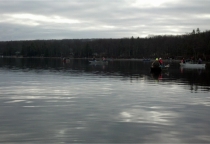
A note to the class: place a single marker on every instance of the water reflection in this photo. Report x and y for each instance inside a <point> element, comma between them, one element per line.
<point>127,69</point>
<point>48,101</point>
<point>197,79</point>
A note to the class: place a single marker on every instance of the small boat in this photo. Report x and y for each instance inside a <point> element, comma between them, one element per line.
<point>146,60</point>
<point>165,67</point>
<point>159,69</point>
<point>66,60</point>
<point>192,65</point>
<point>98,62</point>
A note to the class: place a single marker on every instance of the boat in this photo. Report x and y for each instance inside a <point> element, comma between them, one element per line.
<point>98,62</point>
<point>159,69</point>
<point>66,60</point>
<point>165,67</point>
<point>146,60</point>
<point>192,65</point>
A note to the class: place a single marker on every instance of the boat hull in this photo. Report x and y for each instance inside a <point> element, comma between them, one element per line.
<point>66,60</point>
<point>146,60</point>
<point>98,62</point>
<point>190,65</point>
<point>158,69</point>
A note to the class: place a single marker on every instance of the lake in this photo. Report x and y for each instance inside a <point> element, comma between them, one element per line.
<point>48,101</point>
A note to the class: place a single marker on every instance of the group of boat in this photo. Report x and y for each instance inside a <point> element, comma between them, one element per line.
<point>155,67</point>
<point>158,68</point>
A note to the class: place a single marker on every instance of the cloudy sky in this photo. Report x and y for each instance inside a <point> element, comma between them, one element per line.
<point>72,19</point>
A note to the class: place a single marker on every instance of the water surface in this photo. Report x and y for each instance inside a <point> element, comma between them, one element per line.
<point>48,101</point>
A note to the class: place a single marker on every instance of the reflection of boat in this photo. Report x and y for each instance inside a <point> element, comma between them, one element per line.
<point>192,65</point>
<point>155,69</point>
<point>159,76</point>
<point>98,62</point>
<point>156,76</point>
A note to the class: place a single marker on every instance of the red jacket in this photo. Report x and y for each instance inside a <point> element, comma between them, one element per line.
<point>161,61</point>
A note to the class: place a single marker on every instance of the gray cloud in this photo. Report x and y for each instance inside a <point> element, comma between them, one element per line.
<point>50,19</point>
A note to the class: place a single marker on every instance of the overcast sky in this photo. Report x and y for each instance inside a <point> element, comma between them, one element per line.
<point>78,19</point>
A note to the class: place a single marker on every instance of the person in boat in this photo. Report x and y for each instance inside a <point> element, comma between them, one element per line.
<point>183,60</point>
<point>160,61</point>
<point>199,61</point>
<point>156,63</point>
<point>104,59</point>
<point>192,60</point>
<point>155,67</point>
<point>64,59</point>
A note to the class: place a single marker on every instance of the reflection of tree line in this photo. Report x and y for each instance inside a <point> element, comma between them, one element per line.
<point>194,77</point>
<point>30,63</point>
<point>124,67</point>
<point>197,77</point>
<point>195,44</point>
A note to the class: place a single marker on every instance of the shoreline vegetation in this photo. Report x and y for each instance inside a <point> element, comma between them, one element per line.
<point>191,46</point>
<point>108,59</point>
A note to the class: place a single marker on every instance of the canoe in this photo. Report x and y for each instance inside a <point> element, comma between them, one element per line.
<point>165,67</point>
<point>66,60</point>
<point>158,69</point>
<point>98,62</point>
<point>146,60</point>
<point>192,65</point>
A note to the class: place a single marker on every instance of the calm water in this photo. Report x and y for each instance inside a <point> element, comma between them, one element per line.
<point>47,101</point>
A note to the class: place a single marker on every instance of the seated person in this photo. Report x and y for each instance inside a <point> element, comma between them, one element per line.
<point>183,60</point>
<point>199,60</point>
<point>160,61</point>
<point>104,59</point>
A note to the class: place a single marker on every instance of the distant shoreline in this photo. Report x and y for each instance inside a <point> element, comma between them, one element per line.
<point>110,59</point>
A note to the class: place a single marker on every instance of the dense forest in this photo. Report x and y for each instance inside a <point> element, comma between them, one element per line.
<point>195,44</point>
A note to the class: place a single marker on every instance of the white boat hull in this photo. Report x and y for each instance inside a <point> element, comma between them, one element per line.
<point>190,65</point>
<point>98,62</point>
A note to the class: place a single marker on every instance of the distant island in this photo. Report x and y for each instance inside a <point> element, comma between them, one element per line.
<point>191,45</point>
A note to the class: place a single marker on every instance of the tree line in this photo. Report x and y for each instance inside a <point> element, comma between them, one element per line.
<point>195,44</point>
